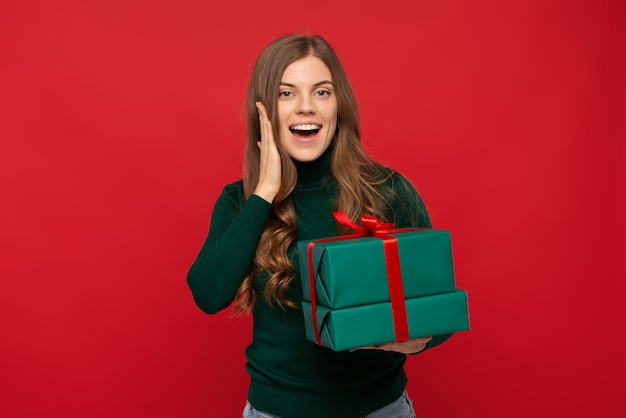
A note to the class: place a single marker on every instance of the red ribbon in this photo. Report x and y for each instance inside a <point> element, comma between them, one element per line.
<point>371,226</point>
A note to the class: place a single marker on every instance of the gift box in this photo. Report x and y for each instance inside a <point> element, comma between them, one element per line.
<point>353,272</point>
<point>379,285</point>
<point>361,326</point>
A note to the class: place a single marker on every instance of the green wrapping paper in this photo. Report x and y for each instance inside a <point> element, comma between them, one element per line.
<point>353,306</point>
<point>353,272</point>
<point>360,326</point>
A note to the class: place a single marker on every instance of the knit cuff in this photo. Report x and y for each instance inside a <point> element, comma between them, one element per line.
<point>254,213</point>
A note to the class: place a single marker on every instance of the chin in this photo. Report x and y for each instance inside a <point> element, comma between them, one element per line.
<point>305,158</point>
<point>304,155</point>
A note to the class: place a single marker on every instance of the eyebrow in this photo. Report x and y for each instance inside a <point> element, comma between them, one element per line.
<point>282,83</point>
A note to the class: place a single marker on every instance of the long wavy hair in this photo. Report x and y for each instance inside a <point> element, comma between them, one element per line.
<point>356,175</point>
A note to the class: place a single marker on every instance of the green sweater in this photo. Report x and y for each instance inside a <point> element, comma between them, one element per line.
<point>290,376</point>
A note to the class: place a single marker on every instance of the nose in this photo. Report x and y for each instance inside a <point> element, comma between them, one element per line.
<point>306,105</point>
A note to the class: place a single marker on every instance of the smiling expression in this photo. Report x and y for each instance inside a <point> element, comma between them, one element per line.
<point>307,109</point>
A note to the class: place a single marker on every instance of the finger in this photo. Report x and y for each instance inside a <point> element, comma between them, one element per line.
<point>260,109</point>
<point>368,347</point>
<point>421,340</point>
<point>266,125</point>
<point>262,114</point>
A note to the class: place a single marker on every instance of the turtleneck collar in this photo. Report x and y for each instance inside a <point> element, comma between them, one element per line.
<point>313,173</point>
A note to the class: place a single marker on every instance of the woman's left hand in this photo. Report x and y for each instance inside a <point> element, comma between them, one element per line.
<point>413,346</point>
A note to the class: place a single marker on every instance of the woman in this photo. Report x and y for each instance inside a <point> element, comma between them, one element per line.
<point>303,161</point>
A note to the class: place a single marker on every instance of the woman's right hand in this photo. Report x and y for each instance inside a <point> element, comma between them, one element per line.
<point>270,166</point>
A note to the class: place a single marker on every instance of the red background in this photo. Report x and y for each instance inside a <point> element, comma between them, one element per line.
<point>122,120</point>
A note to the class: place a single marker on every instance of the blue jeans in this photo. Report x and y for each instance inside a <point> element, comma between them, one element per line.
<point>400,408</point>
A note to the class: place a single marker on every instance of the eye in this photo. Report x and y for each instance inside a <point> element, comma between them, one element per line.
<point>322,93</point>
<point>285,94</point>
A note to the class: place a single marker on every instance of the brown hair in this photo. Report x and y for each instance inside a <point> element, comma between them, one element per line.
<point>354,172</point>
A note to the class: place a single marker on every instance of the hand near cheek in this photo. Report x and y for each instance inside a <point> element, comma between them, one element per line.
<point>270,165</point>
<point>412,346</point>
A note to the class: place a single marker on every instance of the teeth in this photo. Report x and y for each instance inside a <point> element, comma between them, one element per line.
<point>305,127</point>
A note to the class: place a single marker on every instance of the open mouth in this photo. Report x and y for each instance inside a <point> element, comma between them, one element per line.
<point>306,130</point>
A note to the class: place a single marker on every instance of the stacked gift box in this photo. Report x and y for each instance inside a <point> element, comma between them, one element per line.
<point>351,304</point>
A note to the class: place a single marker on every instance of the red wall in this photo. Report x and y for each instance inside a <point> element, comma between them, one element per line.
<point>120,122</point>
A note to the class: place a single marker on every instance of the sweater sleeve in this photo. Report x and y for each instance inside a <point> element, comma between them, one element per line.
<point>227,253</point>
<point>410,211</point>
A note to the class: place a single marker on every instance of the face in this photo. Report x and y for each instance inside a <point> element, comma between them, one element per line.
<point>307,109</point>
